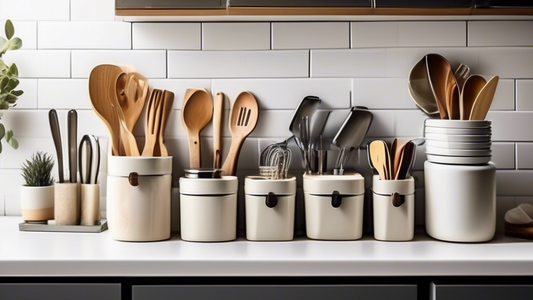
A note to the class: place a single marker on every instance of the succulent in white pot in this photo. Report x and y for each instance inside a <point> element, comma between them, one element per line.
<point>37,194</point>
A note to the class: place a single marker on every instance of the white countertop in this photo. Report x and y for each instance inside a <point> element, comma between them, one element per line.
<point>96,254</point>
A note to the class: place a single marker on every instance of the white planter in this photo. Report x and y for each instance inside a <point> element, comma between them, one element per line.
<point>208,209</point>
<point>334,206</point>
<point>460,202</point>
<point>37,203</point>
<point>394,209</point>
<point>270,208</point>
<point>139,198</point>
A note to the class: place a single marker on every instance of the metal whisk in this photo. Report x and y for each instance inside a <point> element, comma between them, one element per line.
<point>275,160</point>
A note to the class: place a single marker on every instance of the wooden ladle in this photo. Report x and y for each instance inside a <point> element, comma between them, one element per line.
<point>243,119</point>
<point>196,113</point>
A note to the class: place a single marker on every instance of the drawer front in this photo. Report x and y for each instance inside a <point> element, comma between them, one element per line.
<point>485,292</point>
<point>275,292</point>
<point>52,291</point>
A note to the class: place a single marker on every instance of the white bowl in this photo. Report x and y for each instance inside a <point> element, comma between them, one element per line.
<point>459,131</point>
<point>457,123</point>
<point>458,138</point>
<point>458,145</point>
<point>457,160</point>
<point>457,152</point>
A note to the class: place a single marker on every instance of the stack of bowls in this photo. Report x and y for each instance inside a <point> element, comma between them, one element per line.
<point>458,142</point>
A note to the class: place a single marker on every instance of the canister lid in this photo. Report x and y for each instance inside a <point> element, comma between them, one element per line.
<point>124,165</point>
<point>258,185</point>
<point>209,186</point>
<point>347,184</point>
<point>402,187</point>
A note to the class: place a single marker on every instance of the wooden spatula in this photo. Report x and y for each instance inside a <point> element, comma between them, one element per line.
<point>167,103</point>
<point>379,155</point>
<point>484,100</point>
<point>438,70</point>
<point>406,161</point>
<point>217,130</point>
<point>243,119</point>
<point>396,153</point>
<point>473,86</point>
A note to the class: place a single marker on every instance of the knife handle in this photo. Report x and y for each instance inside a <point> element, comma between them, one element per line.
<point>72,119</point>
<point>56,136</point>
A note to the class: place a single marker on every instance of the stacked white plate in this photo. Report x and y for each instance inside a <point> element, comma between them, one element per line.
<point>458,142</point>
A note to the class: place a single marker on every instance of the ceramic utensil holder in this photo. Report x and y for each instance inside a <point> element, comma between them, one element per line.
<point>334,206</point>
<point>139,198</point>
<point>208,209</point>
<point>460,202</point>
<point>270,208</point>
<point>394,209</point>
<point>90,204</point>
<point>66,203</point>
<point>37,203</point>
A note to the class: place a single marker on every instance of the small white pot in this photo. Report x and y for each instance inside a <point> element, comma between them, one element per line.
<point>394,209</point>
<point>270,208</point>
<point>37,203</point>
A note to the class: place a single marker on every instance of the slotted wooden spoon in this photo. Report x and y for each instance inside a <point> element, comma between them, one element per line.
<point>196,113</point>
<point>166,108</point>
<point>132,91</point>
<point>153,119</point>
<point>243,119</point>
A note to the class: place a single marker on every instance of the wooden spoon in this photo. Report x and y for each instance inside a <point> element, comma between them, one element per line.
<point>153,119</point>
<point>396,153</point>
<point>406,160</point>
<point>484,100</point>
<point>243,119</point>
<point>217,130</point>
<point>102,83</point>
<point>438,70</point>
<point>380,157</point>
<point>452,97</point>
<point>132,91</point>
<point>196,113</point>
<point>167,103</point>
<point>473,86</point>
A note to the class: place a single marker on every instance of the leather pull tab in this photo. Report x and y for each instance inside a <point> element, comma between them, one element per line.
<point>336,199</point>
<point>397,199</point>
<point>271,200</point>
<point>134,179</point>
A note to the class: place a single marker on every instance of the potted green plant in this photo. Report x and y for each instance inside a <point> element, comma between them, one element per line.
<point>8,81</point>
<point>37,194</point>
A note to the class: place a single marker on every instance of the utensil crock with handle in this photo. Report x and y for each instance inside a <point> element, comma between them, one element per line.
<point>139,198</point>
<point>208,209</point>
<point>394,209</point>
<point>334,206</point>
<point>270,205</point>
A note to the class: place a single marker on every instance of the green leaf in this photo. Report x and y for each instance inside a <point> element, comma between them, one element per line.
<point>13,82</point>
<point>9,135</point>
<point>4,105</point>
<point>3,82</point>
<point>0,147</point>
<point>2,41</point>
<point>17,93</point>
<point>2,64</point>
<point>11,99</point>
<point>14,143</point>
<point>14,70</point>
<point>2,131</point>
<point>10,29</point>
<point>15,44</point>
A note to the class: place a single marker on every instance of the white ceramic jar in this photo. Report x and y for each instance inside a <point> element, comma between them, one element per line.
<point>139,198</point>
<point>270,208</point>
<point>208,209</point>
<point>334,206</point>
<point>460,202</point>
<point>37,203</point>
<point>394,209</point>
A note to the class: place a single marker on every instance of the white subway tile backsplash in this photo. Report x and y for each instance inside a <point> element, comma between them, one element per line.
<point>503,155</point>
<point>504,96</point>
<point>524,156</point>
<point>236,36</point>
<point>27,123</point>
<point>516,62</point>
<point>381,93</point>
<point>35,10</point>
<point>524,95</point>
<point>149,63</point>
<point>511,126</point>
<point>11,182</point>
<point>409,34</point>
<point>514,183</point>
<point>2,206</point>
<point>400,61</point>
<point>13,159</point>
<point>348,63</point>
<point>166,36</point>
<point>287,93</point>
<point>409,123</point>
<point>63,94</point>
<point>92,10</point>
<point>218,64</point>
<point>40,63</point>
<point>84,35</point>
<point>28,100</point>
<point>310,35</point>
<point>179,86</point>
<point>500,33</point>
<point>26,31</point>
<point>273,123</point>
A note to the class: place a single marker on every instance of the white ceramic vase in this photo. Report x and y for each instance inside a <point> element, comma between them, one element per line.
<point>37,203</point>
